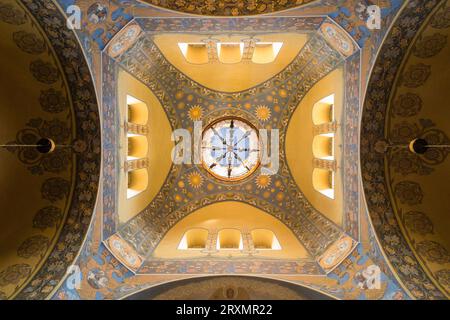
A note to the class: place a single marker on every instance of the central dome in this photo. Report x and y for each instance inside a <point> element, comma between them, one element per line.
<point>230,149</point>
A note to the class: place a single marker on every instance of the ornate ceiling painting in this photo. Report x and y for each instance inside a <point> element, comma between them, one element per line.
<point>228,288</point>
<point>44,239</point>
<point>182,194</point>
<point>403,202</point>
<point>376,238</point>
<point>229,7</point>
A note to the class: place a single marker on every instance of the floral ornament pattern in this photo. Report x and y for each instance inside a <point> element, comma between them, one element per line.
<point>407,105</point>
<point>53,101</point>
<point>36,162</point>
<point>418,222</point>
<point>12,15</point>
<point>55,129</point>
<point>29,42</point>
<point>228,7</point>
<point>433,251</point>
<point>435,137</point>
<point>443,277</point>
<point>396,49</point>
<point>409,192</point>
<point>405,162</point>
<point>44,72</point>
<point>416,75</point>
<point>55,189</point>
<point>404,132</point>
<point>430,46</point>
<point>441,19</point>
<point>12,275</point>
<point>33,247</point>
<point>85,114</point>
<point>48,217</point>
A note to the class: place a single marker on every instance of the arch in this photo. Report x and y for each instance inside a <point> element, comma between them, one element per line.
<point>137,111</point>
<point>229,215</point>
<point>266,52</point>
<point>229,239</point>
<point>137,147</point>
<point>137,182</point>
<point>155,157</point>
<point>265,239</point>
<point>323,181</point>
<point>299,146</point>
<point>218,76</point>
<point>196,53</point>
<point>194,239</point>
<point>379,176</point>
<point>323,111</point>
<point>323,146</point>
<point>264,286</point>
<point>75,212</point>
<point>230,52</point>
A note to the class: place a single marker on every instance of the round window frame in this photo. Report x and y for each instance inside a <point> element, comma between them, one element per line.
<point>233,179</point>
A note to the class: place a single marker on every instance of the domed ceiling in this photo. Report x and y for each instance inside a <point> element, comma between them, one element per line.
<point>299,220</point>
<point>408,200</point>
<point>139,240</point>
<point>144,246</point>
<point>267,105</point>
<point>47,200</point>
<point>228,288</point>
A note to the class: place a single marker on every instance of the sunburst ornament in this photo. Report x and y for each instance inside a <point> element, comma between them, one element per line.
<point>263,181</point>
<point>195,180</point>
<point>195,113</point>
<point>263,113</point>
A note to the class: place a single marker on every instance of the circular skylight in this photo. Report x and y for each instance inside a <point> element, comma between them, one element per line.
<point>230,149</point>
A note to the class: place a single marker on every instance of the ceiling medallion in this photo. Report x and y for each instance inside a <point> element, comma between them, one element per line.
<point>230,149</point>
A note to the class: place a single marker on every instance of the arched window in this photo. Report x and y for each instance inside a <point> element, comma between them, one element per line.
<point>196,53</point>
<point>229,239</point>
<point>323,146</point>
<point>323,111</point>
<point>230,52</point>
<point>324,161</point>
<point>137,111</point>
<point>266,52</point>
<point>137,182</point>
<point>265,239</point>
<point>323,181</point>
<point>137,147</point>
<point>194,239</point>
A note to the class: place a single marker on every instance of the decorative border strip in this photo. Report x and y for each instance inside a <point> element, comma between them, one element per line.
<point>87,148</point>
<point>378,201</point>
<point>109,132</point>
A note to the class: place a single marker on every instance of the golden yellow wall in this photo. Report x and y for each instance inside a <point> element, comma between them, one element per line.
<point>235,215</point>
<point>159,146</point>
<point>230,77</point>
<point>299,139</point>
